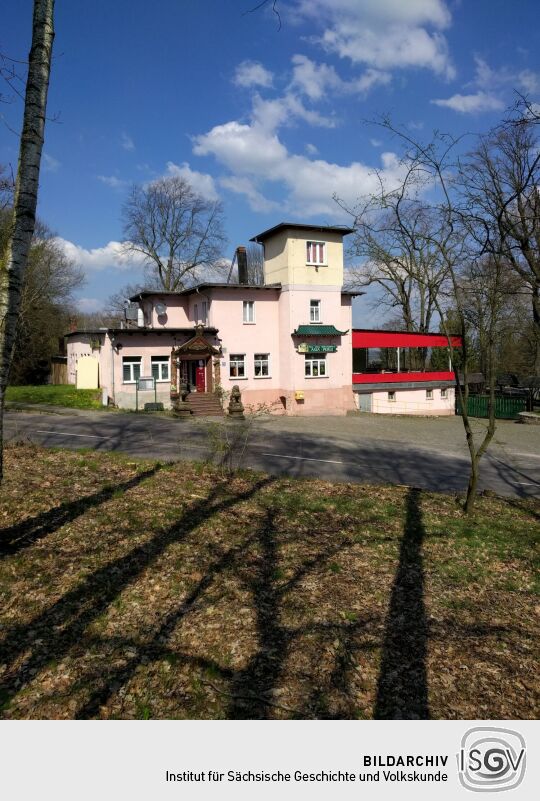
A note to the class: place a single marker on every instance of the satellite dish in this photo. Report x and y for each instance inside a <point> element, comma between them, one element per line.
<point>131,311</point>
<point>160,309</point>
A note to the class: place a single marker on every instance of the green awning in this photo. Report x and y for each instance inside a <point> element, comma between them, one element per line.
<point>318,331</point>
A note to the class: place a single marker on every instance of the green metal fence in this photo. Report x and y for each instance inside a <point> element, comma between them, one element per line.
<point>505,408</point>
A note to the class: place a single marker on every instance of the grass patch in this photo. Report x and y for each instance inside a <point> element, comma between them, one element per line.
<point>56,395</point>
<point>150,591</point>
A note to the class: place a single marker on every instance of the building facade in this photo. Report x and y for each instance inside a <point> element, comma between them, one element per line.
<point>286,343</point>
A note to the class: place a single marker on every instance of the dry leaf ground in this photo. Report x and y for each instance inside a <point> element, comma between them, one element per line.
<point>131,589</point>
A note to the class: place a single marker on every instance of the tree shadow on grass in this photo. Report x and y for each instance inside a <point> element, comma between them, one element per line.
<point>402,691</point>
<point>61,626</point>
<point>254,563</point>
<point>21,535</point>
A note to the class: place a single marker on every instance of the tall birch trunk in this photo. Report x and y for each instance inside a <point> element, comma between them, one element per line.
<point>13,263</point>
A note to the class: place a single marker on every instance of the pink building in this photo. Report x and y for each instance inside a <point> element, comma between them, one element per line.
<point>286,343</point>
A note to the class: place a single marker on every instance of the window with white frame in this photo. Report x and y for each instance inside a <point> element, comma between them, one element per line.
<point>262,365</point>
<point>444,393</point>
<point>316,252</point>
<point>249,311</point>
<point>315,366</point>
<point>160,368</point>
<point>237,365</point>
<point>392,396</point>
<point>314,311</point>
<point>429,394</point>
<point>131,369</point>
<point>204,312</point>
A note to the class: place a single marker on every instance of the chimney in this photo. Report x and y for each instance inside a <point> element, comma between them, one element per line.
<point>241,258</point>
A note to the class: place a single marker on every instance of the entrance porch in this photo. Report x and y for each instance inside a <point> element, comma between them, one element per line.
<point>196,364</point>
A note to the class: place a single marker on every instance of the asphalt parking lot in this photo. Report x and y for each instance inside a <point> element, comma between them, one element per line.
<point>426,452</point>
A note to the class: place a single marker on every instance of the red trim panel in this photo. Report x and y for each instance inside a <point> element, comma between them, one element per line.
<point>397,378</point>
<point>392,339</point>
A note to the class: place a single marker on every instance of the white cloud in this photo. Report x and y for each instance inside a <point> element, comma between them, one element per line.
<point>112,181</point>
<point>491,79</point>
<point>316,80</point>
<point>89,304</point>
<point>252,73</point>
<point>254,153</point>
<point>256,158</point>
<point>244,186</point>
<point>127,142</point>
<point>492,88</point>
<point>244,149</point>
<point>376,142</point>
<point>529,81</point>
<point>285,110</point>
<point>200,181</point>
<point>368,80</point>
<point>313,79</point>
<point>384,34</point>
<point>474,103</point>
<point>50,164</point>
<point>110,257</point>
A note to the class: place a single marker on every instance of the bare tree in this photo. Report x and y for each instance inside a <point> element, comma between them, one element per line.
<point>179,232</point>
<point>449,242</point>
<point>7,187</point>
<point>116,303</point>
<point>46,306</point>
<point>255,263</point>
<point>393,239</point>
<point>13,265</point>
<point>491,295</point>
<point>501,187</point>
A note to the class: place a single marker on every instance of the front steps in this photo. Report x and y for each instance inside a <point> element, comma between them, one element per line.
<point>205,404</point>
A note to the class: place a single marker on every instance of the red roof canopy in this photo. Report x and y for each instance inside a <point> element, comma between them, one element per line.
<point>364,338</point>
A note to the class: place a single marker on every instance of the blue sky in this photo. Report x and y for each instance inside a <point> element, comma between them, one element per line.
<point>271,121</point>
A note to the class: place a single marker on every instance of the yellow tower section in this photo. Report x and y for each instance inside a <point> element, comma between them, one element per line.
<point>303,256</point>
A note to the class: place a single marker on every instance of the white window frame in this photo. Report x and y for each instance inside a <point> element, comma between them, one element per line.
<point>429,394</point>
<point>314,305</point>
<point>131,361</point>
<point>309,361</point>
<point>160,362</point>
<point>444,393</point>
<point>392,396</point>
<point>309,252</point>
<point>237,359</point>
<point>247,307</point>
<point>264,358</point>
<point>204,312</point>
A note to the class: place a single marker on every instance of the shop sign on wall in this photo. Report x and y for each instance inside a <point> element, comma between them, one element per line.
<point>304,347</point>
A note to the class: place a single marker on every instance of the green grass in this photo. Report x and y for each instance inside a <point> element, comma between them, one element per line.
<point>176,592</point>
<point>60,395</point>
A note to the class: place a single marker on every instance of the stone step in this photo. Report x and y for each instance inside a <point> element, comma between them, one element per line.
<point>205,404</point>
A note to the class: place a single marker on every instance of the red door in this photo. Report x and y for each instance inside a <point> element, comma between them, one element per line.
<point>200,377</point>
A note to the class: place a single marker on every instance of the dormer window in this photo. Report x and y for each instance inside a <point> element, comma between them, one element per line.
<point>316,252</point>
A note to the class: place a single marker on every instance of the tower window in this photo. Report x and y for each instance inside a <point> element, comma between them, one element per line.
<point>316,252</point>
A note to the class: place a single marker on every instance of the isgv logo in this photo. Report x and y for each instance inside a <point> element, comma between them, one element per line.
<point>491,759</point>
